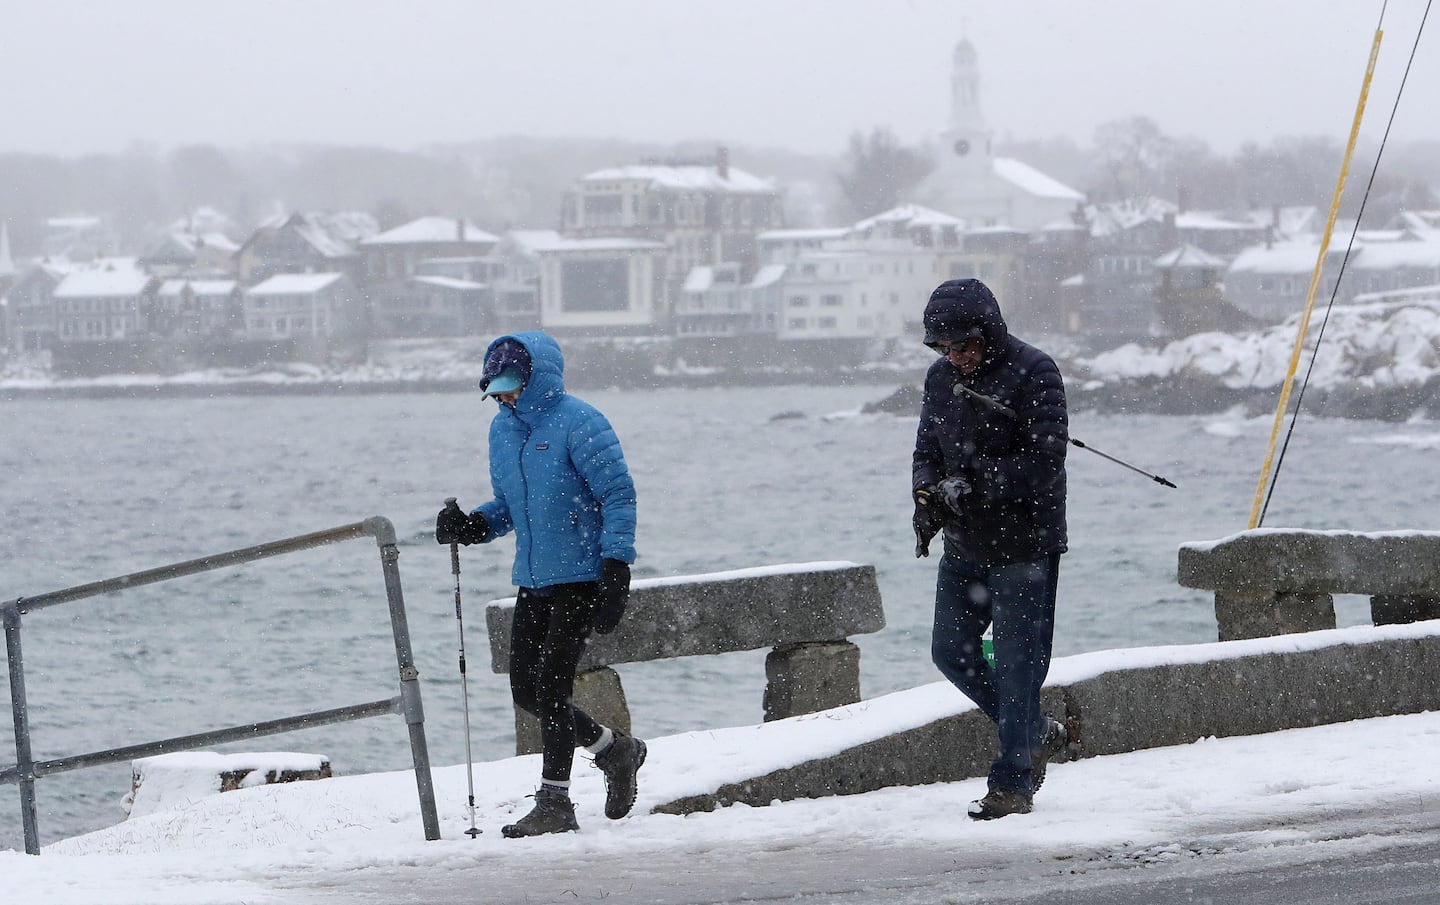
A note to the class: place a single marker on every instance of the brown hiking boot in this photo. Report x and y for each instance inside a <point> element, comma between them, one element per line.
<point>1053,739</point>
<point>620,762</point>
<point>553,813</point>
<point>999,803</point>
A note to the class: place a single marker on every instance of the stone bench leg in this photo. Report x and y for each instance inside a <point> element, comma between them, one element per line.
<point>810,676</point>
<point>597,692</point>
<point>1260,614</point>
<point>1391,609</point>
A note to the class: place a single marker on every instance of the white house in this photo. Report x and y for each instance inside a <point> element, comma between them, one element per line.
<point>305,306</point>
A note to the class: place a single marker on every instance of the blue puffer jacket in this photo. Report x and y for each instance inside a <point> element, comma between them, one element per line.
<point>1016,465</point>
<point>559,478</point>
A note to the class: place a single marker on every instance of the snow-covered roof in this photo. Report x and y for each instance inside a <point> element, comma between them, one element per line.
<point>685,177</point>
<point>332,235</point>
<point>448,282</point>
<point>768,275</point>
<point>699,279</point>
<point>1210,220</point>
<point>1405,252</point>
<point>531,241</point>
<point>294,283</point>
<point>432,230</point>
<point>1294,256</point>
<point>602,243</point>
<point>108,277</point>
<point>803,235</point>
<point>1025,177</point>
<point>911,214</point>
<point>1187,256</point>
<point>174,287</point>
<point>1117,216</point>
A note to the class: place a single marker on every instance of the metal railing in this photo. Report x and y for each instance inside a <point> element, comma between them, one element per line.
<point>406,704</point>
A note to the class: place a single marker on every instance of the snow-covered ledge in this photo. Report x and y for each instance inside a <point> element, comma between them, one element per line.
<point>1274,581</point>
<point>168,782</point>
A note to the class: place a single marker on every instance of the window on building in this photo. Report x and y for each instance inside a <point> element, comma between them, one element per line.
<point>799,301</point>
<point>831,300</point>
<point>796,323</point>
<point>599,285</point>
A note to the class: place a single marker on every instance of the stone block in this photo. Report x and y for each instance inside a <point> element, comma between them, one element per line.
<point>1259,614</point>
<point>1393,609</point>
<point>810,677</point>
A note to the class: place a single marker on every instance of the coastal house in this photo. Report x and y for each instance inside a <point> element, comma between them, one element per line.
<point>199,309</point>
<point>30,303</point>
<point>310,315</point>
<point>429,277</point>
<point>1270,281</point>
<point>184,254</point>
<point>304,242</point>
<point>693,213</point>
<point>396,254</point>
<point>104,317</point>
<point>106,300</point>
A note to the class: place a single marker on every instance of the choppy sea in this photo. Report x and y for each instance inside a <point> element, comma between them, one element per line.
<point>99,488</point>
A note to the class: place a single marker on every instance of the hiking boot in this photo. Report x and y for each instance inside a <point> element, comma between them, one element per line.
<point>1053,739</point>
<point>620,762</point>
<point>999,803</point>
<point>553,813</point>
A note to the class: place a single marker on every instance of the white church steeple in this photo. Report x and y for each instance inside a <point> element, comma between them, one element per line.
<point>968,137</point>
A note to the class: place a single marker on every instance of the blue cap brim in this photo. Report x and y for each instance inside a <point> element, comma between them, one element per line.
<point>507,381</point>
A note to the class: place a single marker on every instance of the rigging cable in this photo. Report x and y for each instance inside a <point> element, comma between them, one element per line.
<point>1257,514</point>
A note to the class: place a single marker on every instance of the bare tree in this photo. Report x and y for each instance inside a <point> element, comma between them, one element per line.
<point>880,172</point>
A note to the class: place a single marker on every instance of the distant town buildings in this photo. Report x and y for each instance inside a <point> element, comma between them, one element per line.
<point>695,253</point>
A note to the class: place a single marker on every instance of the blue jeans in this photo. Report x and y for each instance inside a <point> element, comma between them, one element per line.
<point>1019,599</point>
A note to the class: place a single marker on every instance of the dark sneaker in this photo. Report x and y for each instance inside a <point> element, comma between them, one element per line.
<point>620,762</point>
<point>999,803</point>
<point>1053,740</point>
<point>553,813</point>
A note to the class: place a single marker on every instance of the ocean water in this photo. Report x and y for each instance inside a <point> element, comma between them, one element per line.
<point>94,489</point>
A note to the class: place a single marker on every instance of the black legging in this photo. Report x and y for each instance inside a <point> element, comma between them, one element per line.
<point>547,638</point>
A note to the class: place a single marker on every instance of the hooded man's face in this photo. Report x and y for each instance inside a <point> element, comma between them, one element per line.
<point>966,356</point>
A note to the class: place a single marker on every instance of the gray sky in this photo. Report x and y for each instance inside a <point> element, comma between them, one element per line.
<point>82,77</point>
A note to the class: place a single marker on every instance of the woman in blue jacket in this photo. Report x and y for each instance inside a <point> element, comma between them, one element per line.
<point>560,483</point>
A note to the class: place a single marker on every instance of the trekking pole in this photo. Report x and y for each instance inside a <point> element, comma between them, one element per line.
<point>464,690</point>
<point>1008,412</point>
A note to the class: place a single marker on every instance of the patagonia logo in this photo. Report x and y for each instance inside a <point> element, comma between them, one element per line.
<point>542,445</point>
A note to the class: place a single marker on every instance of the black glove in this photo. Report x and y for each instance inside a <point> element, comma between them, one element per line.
<point>952,492</point>
<point>612,591</point>
<point>929,518</point>
<point>454,526</point>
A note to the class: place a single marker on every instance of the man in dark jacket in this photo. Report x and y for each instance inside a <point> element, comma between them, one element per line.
<point>560,483</point>
<point>989,470</point>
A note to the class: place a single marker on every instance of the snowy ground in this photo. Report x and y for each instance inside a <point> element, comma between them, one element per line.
<point>1289,798</point>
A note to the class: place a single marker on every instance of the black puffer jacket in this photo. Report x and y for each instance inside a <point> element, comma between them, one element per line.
<point>1016,465</point>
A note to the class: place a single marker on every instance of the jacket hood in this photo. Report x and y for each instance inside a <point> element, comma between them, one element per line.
<point>547,370</point>
<point>959,309</point>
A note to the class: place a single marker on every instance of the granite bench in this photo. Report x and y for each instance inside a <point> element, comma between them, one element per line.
<point>1273,581</point>
<point>803,612</point>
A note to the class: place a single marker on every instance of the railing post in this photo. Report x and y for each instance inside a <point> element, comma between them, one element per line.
<point>410,703</point>
<point>24,759</point>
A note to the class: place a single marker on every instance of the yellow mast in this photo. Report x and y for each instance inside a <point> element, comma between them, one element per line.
<point>1314,285</point>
